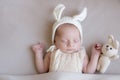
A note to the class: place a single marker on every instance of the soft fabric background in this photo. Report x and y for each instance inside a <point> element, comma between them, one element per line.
<point>27,22</point>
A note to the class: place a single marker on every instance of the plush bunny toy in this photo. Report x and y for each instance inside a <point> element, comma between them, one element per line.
<point>109,52</point>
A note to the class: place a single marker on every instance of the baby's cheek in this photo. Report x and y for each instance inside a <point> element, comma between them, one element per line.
<point>78,46</point>
<point>61,46</point>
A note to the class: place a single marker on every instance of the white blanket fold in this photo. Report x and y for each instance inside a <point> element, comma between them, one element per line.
<point>62,76</point>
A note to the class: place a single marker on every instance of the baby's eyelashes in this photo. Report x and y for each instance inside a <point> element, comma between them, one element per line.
<point>75,41</point>
<point>64,41</point>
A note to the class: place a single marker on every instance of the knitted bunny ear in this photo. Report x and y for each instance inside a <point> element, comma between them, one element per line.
<point>81,16</point>
<point>58,11</point>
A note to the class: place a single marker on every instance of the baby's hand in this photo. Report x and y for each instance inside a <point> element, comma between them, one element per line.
<point>97,48</point>
<point>38,48</point>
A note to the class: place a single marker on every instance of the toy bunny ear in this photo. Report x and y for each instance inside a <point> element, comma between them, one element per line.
<point>110,39</point>
<point>58,11</point>
<point>116,44</point>
<point>82,15</point>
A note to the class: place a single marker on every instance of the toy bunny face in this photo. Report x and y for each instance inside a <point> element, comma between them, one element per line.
<point>109,50</point>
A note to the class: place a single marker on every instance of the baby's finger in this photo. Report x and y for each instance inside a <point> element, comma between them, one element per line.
<point>98,46</point>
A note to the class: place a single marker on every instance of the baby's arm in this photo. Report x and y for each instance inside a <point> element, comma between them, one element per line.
<point>42,65</point>
<point>90,66</point>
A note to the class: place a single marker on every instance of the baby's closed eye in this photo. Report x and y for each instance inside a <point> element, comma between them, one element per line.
<point>64,41</point>
<point>76,40</point>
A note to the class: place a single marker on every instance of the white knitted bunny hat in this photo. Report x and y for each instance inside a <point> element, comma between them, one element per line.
<point>75,20</point>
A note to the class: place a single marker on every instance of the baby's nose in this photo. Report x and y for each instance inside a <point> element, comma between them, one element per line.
<point>70,43</point>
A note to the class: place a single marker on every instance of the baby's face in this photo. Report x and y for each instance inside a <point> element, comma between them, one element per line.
<point>67,38</point>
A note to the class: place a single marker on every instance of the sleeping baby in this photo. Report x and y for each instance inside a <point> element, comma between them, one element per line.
<point>66,54</point>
